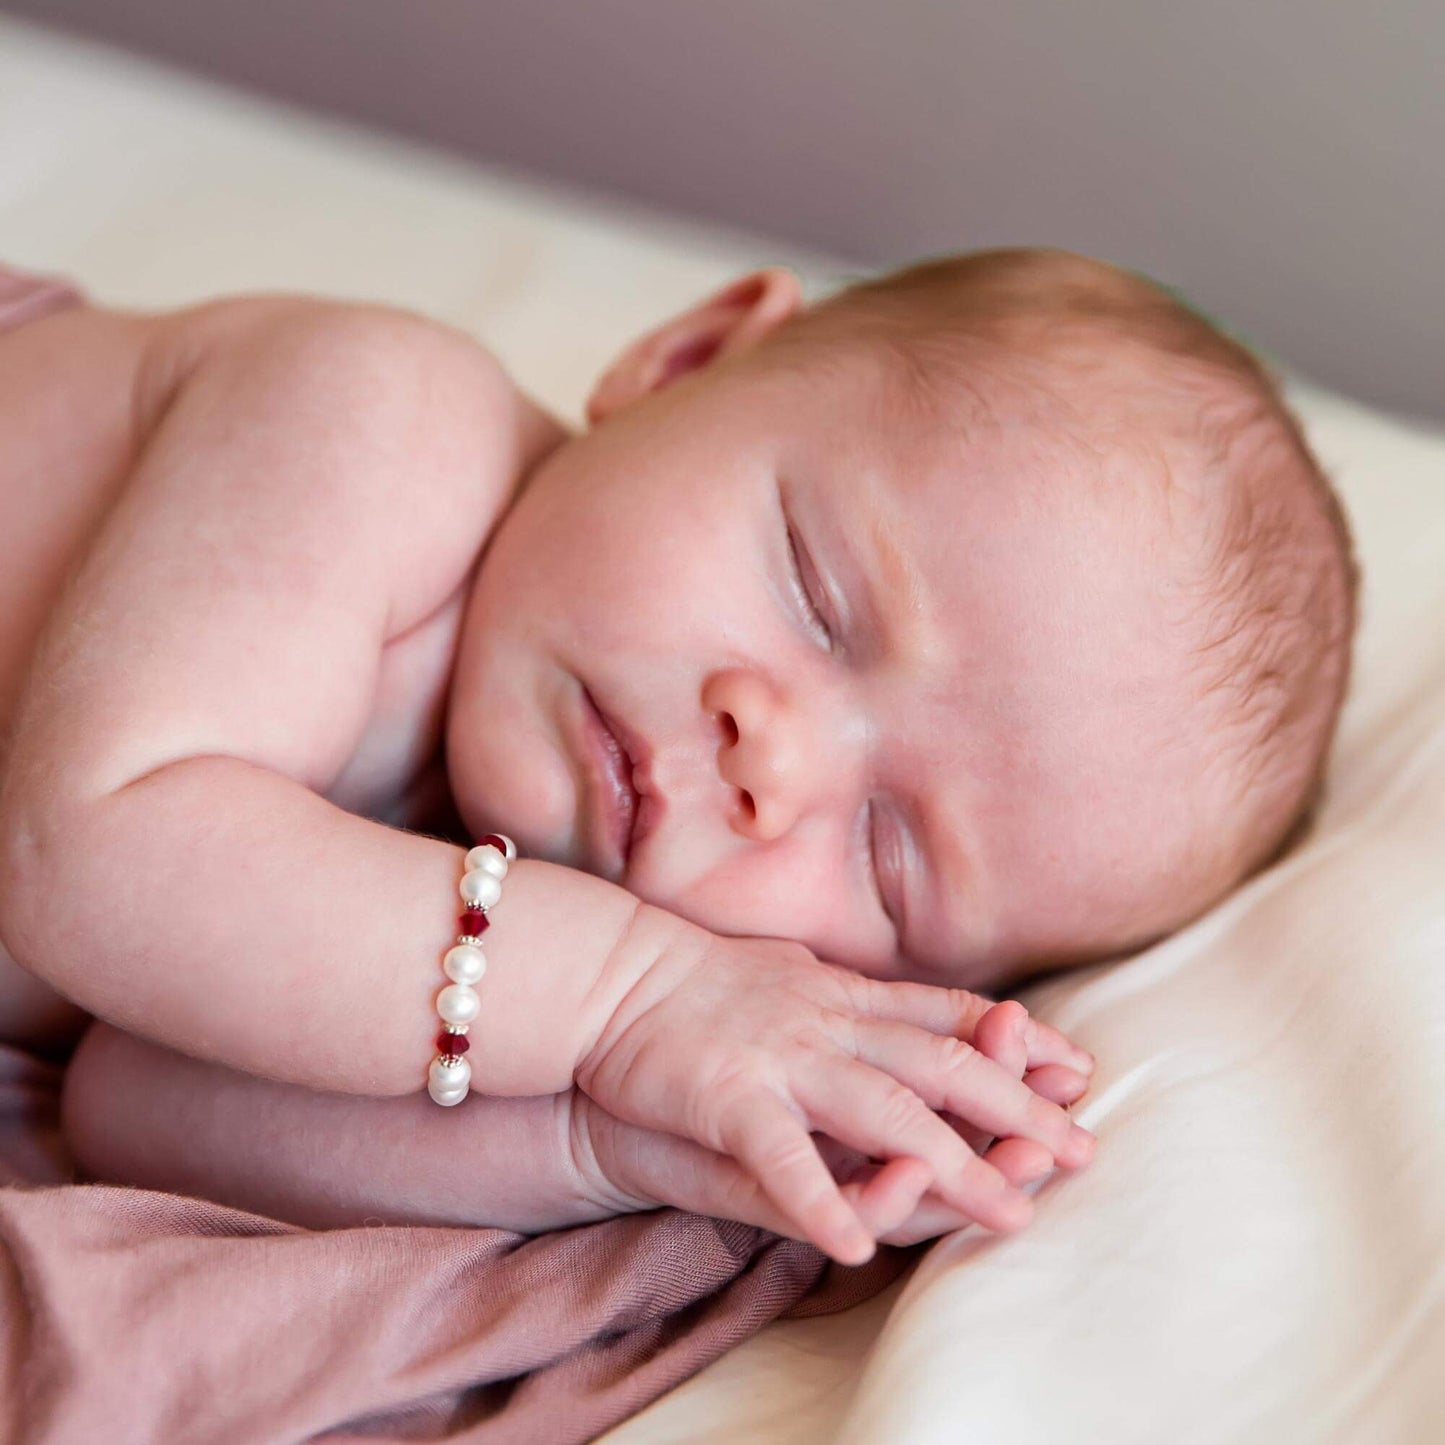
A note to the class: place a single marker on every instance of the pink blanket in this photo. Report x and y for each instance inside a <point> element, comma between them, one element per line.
<point>129,1315</point>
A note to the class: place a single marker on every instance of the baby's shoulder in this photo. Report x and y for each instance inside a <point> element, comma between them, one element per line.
<point>408,425</point>
<point>317,342</point>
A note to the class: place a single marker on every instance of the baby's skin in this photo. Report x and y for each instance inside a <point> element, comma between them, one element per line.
<point>302,596</point>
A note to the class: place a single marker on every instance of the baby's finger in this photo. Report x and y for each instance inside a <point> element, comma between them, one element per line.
<point>1057,1083</point>
<point>769,1142</point>
<point>957,1012</point>
<point>1016,1041</point>
<point>1022,1161</point>
<point>1000,1035</point>
<point>703,1182</point>
<point>948,1074</point>
<point>953,1011</point>
<point>1046,1045</point>
<point>880,1116</point>
<point>887,1195</point>
<point>977,1139</point>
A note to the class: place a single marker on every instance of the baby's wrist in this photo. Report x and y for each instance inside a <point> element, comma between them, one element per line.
<point>561,948</point>
<point>653,951</point>
<point>603,1158</point>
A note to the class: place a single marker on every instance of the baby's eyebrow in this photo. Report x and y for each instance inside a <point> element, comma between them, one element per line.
<point>876,576</point>
<point>894,593</point>
<point>897,576</point>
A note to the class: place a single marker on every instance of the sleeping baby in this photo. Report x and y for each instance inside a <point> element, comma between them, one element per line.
<point>856,663</point>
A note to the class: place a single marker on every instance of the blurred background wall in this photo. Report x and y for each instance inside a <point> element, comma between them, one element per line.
<point>1280,161</point>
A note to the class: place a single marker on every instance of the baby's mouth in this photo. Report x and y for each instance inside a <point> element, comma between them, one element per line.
<point>617,797</point>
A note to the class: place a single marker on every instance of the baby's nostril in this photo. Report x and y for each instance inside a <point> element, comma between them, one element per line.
<point>750,808</point>
<point>730,728</point>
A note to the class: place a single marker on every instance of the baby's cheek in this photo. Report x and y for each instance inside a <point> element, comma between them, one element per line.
<point>506,761</point>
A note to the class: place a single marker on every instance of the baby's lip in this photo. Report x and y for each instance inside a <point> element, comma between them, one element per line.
<point>614,798</point>
<point>635,817</point>
<point>650,804</point>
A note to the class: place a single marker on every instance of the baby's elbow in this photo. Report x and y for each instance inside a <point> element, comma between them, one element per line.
<point>49,877</point>
<point>20,881</point>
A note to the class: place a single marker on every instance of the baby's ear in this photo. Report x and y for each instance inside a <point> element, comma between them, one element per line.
<point>723,325</point>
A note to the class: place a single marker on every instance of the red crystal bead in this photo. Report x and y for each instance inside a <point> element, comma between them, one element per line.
<point>454,1044</point>
<point>496,841</point>
<point>473,921</point>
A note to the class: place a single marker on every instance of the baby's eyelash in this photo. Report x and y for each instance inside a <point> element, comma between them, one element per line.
<point>815,615</point>
<point>873,865</point>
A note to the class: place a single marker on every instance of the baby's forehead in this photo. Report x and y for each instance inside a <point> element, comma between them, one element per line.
<point>1023,492</point>
<point>1020,513</point>
<point>1023,570</point>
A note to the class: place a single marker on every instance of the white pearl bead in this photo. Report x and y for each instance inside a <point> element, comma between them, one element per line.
<point>508,847</point>
<point>488,860</point>
<point>446,1097</point>
<point>458,1004</point>
<point>480,888</point>
<point>449,1076</point>
<point>465,963</point>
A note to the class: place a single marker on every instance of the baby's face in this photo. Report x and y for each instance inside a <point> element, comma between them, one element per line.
<point>950,741</point>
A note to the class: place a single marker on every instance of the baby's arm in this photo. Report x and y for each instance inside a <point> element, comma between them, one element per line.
<point>321,480</point>
<point>136,1113</point>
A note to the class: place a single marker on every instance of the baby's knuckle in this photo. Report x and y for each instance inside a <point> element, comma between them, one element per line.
<point>840,1026</point>
<point>786,1154</point>
<point>968,1006</point>
<point>865,995</point>
<point>899,1109</point>
<point>954,1058</point>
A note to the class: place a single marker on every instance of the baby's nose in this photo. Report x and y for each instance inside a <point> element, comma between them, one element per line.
<point>764,752</point>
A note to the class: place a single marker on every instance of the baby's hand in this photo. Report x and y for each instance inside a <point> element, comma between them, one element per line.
<point>747,1046</point>
<point>623,1167</point>
<point>1003,1034</point>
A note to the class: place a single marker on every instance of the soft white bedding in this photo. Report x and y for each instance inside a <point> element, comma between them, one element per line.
<point>1258,1253</point>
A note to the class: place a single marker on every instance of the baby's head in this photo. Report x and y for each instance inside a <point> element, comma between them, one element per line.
<point>1005,578</point>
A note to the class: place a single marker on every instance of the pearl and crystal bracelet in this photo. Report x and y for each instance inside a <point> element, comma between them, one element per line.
<point>449,1078</point>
